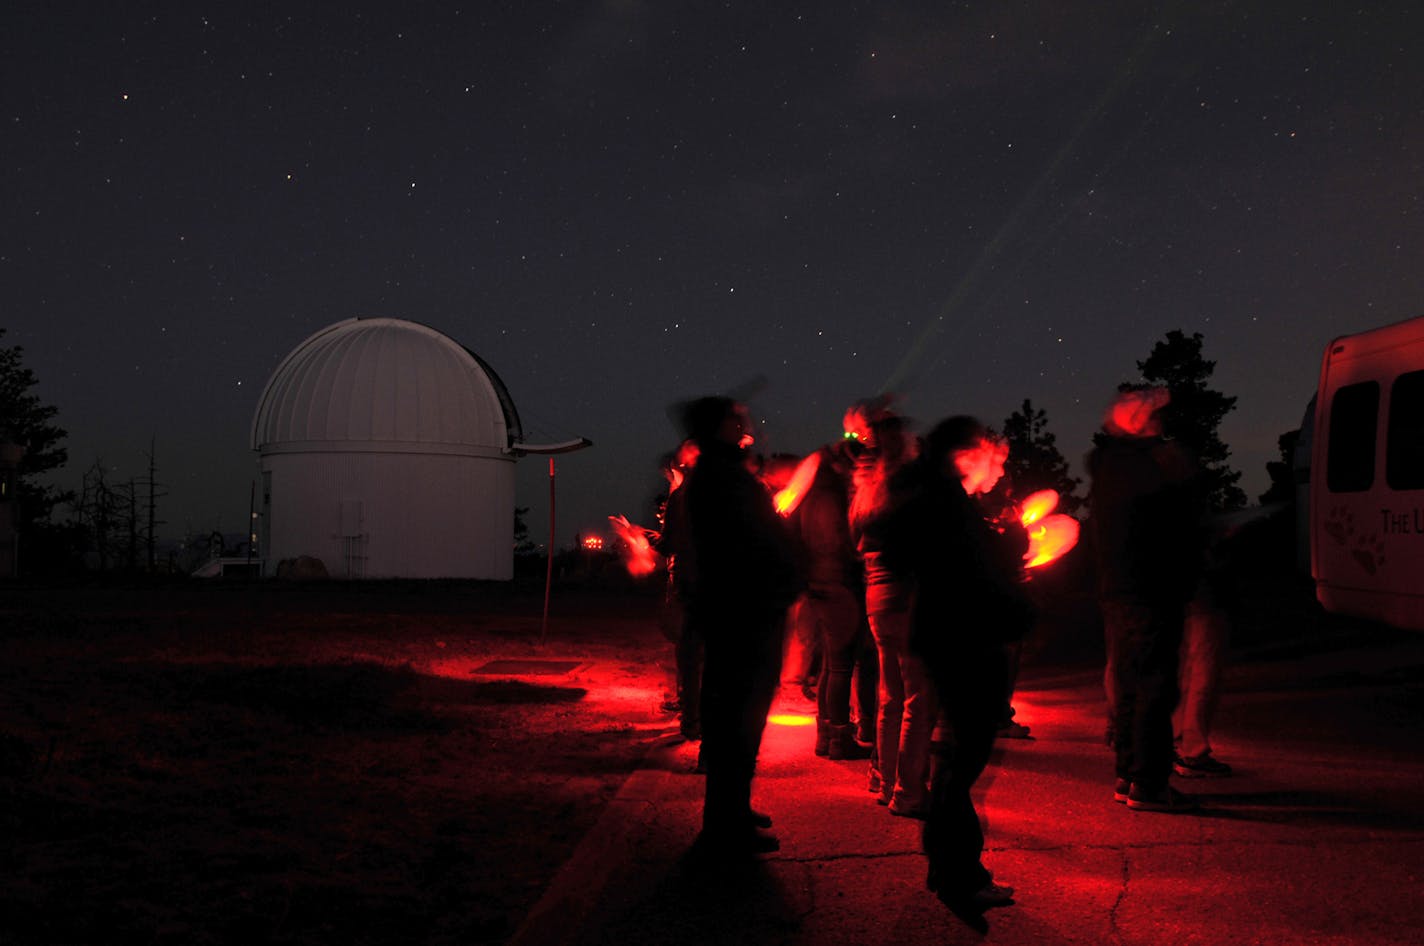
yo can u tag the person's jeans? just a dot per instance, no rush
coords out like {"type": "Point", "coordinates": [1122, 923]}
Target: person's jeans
{"type": "Point", "coordinates": [907, 712]}
{"type": "Point", "coordinates": [1143, 645]}
{"type": "Point", "coordinates": [1204, 635]}
{"type": "Point", "coordinates": [688, 651]}
{"type": "Point", "coordinates": [799, 652]}
{"type": "Point", "coordinates": [835, 615]}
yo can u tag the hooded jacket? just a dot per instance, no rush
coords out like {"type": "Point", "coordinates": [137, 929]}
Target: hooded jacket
{"type": "Point", "coordinates": [1146, 519]}
{"type": "Point", "coordinates": [743, 551]}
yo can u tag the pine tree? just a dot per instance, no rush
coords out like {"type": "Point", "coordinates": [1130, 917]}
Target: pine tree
{"type": "Point", "coordinates": [1034, 461]}
{"type": "Point", "coordinates": [26, 421]}
{"type": "Point", "coordinates": [1196, 411]}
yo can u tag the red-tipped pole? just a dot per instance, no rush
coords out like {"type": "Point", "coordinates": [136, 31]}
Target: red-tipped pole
{"type": "Point", "coordinates": [549, 569]}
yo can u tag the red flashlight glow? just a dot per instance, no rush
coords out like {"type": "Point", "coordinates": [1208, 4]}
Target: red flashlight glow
{"type": "Point", "coordinates": [1050, 534]}
{"type": "Point", "coordinates": [1038, 505]}
{"type": "Point", "coordinates": [982, 465]}
{"type": "Point", "coordinates": [1050, 538]}
{"type": "Point", "coordinates": [638, 555]}
{"type": "Point", "coordinates": [788, 498]}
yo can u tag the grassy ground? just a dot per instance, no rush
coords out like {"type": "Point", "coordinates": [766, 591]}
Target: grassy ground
{"type": "Point", "coordinates": [245, 763]}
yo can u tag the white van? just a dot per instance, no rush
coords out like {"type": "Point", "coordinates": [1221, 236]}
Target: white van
{"type": "Point", "coordinates": [1367, 476]}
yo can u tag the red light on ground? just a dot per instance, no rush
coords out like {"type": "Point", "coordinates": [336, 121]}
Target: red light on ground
{"type": "Point", "coordinates": [789, 719]}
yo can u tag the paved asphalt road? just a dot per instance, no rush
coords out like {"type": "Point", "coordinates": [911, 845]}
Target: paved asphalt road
{"type": "Point", "coordinates": [1318, 838]}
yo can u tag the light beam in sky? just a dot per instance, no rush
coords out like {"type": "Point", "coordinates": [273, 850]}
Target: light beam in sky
{"type": "Point", "coordinates": [1014, 223]}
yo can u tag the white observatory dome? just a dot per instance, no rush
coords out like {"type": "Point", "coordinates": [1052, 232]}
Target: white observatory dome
{"type": "Point", "coordinates": [384, 385]}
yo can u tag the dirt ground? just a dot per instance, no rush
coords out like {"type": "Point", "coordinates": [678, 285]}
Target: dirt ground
{"type": "Point", "coordinates": [243, 763]}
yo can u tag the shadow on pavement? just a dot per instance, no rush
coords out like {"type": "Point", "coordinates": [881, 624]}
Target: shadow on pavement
{"type": "Point", "coordinates": [1304, 808]}
{"type": "Point", "coordinates": [709, 903]}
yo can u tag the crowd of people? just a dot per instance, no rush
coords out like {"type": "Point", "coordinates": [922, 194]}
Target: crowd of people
{"type": "Point", "coordinates": [880, 562]}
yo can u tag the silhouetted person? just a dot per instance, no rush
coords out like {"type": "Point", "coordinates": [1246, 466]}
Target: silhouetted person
{"type": "Point", "coordinates": [832, 602]}
{"type": "Point", "coordinates": [801, 661]}
{"type": "Point", "coordinates": [1205, 633]}
{"type": "Point", "coordinates": [746, 578]}
{"type": "Point", "coordinates": [998, 507]}
{"type": "Point", "coordinates": [967, 604]}
{"type": "Point", "coordinates": [675, 545]}
{"type": "Point", "coordinates": [1009, 726]}
{"type": "Point", "coordinates": [899, 770]}
{"type": "Point", "coordinates": [1146, 524]}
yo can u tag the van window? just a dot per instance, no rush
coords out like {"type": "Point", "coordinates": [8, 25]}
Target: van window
{"type": "Point", "coordinates": [1404, 446]}
{"type": "Point", "coordinates": [1350, 455]}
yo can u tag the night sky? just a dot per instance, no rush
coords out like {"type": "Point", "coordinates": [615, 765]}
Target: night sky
{"type": "Point", "coordinates": [622, 204]}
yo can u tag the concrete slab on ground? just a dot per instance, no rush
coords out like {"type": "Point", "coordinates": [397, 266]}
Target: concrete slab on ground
{"type": "Point", "coordinates": [1318, 837]}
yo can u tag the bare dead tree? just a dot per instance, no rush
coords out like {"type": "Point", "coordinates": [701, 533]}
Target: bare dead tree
{"type": "Point", "coordinates": [107, 513]}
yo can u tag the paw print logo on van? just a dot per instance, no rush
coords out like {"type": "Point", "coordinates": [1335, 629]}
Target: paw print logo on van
{"type": "Point", "coordinates": [1340, 525]}
{"type": "Point", "coordinates": [1369, 552]}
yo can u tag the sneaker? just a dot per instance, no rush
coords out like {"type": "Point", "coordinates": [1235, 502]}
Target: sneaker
{"type": "Point", "coordinates": [920, 812]}
{"type": "Point", "coordinates": [1013, 730]}
{"type": "Point", "coordinates": [844, 746]}
{"type": "Point", "coordinates": [993, 895]}
{"type": "Point", "coordinates": [974, 901]}
{"type": "Point", "coordinates": [1201, 766]}
{"type": "Point", "coordinates": [1121, 790]}
{"type": "Point", "coordinates": [1167, 800]}
{"type": "Point", "coordinates": [874, 783]}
